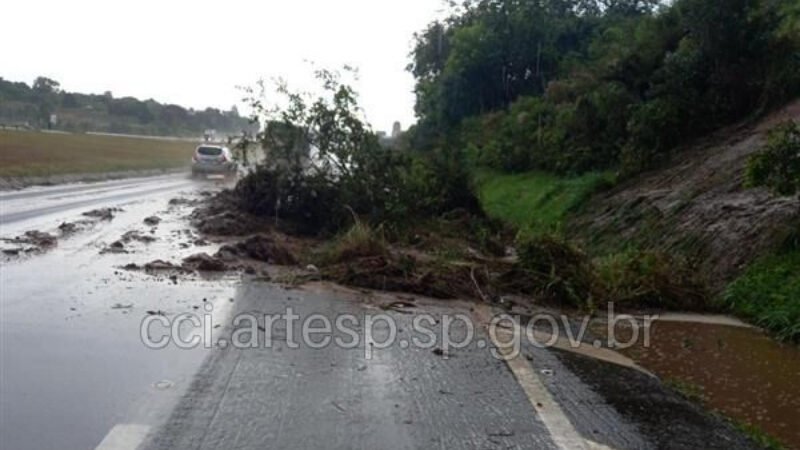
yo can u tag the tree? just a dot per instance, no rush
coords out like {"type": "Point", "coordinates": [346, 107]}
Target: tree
{"type": "Point", "coordinates": [46, 86]}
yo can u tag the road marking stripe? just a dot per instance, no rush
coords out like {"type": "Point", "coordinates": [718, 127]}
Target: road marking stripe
{"type": "Point", "coordinates": [124, 437]}
{"type": "Point", "coordinates": [561, 430]}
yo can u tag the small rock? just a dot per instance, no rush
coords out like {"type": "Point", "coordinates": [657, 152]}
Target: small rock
{"type": "Point", "coordinates": [102, 213]}
{"type": "Point", "coordinates": [204, 263]}
{"type": "Point", "coordinates": [152, 220]}
{"type": "Point", "coordinates": [38, 238]}
{"type": "Point", "coordinates": [160, 265]}
{"type": "Point", "coordinates": [68, 228]}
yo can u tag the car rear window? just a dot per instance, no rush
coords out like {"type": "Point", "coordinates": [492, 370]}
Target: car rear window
{"type": "Point", "coordinates": [209, 151]}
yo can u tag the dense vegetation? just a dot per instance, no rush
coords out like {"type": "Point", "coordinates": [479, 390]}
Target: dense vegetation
{"type": "Point", "coordinates": [21, 104]}
{"type": "Point", "coordinates": [767, 293]}
{"type": "Point", "coordinates": [580, 85]}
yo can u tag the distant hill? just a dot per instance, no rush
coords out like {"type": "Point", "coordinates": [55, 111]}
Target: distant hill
{"type": "Point", "coordinates": [36, 105]}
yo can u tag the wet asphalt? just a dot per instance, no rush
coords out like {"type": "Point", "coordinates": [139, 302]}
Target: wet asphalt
{"type": "Point", "coordinates": [75, 373]}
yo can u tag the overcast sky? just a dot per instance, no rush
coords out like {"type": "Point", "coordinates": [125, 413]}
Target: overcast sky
{"type": "Point", "coordinates": [195, 53]}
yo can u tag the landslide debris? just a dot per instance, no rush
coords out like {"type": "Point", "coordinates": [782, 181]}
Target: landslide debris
{"type": "Point", "coordinates": [218, 216]}
{"type": "Point", "coordinates": [103, 213]}
{"type": "Point", "coordinates": [259, 248]}
{"type": "Point", "coordinates": [203, 262]}
{"type": "Point", "coordinates": [152, 220]}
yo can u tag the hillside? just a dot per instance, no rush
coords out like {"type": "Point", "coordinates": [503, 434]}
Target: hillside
{"type": "Point", "coordinates": [697, 206]}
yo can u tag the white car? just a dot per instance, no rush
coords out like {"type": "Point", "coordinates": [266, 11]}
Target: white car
{"type": "Point", "coordinates": [213, 159]}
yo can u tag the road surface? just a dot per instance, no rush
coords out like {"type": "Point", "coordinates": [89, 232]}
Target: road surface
{"type": "Point", "coordinates": [75, 372]}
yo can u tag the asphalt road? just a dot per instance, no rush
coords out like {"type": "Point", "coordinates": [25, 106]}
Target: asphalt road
{"type": "Point", "coordinates": [75, 372]}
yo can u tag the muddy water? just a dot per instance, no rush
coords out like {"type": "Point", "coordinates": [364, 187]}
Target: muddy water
{"type": "Point", "coordinates": [740, 371]}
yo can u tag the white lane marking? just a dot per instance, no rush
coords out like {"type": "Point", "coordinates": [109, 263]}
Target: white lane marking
{"type": "Point", "coordinates": [127, 436]}
{"type": "Point", "coordinates": [561, 430]}
{"type": "Point", "coordinates": [557, 423]}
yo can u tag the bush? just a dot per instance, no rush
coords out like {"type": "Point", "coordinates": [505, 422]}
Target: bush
{"type": "Point", "coordinates": [768, 293]}
{"type": "Point", "coordinates": [777, 166]}
{"type": "Point", "coordinates": [559, 271]}
{"type": "Point", "coordinates": [359, 241]}
{"type": "Point", "coordinates": [307, 202]}
{"type": "Point", "coordinates": [651, 279]}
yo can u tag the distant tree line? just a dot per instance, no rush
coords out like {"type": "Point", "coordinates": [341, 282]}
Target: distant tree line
{"type": "Point", "coordinates": [35, 104]}
{"type": "Point", "coordinates": [577, 85]}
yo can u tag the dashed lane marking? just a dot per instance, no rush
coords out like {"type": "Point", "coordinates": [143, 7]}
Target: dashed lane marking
{"type": "Point", "coordinates": [124, 437]}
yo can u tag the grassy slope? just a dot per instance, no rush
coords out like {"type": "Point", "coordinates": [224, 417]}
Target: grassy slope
{"type": "Point", "coordinates": [536, 201]}
{"type": "Point", "coordinates": [24, 153]}
{"type": "Point", "coordinates": [768, 294]}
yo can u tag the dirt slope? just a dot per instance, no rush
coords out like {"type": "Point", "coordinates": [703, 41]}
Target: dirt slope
{"type": "Point", "coordinates": [698, 206]}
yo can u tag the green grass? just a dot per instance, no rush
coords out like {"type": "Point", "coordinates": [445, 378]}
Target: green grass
{"type": "Point", "coordinates": [758, 436]}
{"type": "Point", "coordinates": [768, 294]}
{"type": "Point", "coordinates": [30, 153]}
{"type": "Point", "coordinates": [535, 201]}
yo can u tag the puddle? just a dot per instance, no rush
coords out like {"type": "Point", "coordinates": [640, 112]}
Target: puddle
{"type": "Point", "coordinates": [741, 372]}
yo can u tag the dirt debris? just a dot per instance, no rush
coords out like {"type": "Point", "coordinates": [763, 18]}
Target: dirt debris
{"type": "Point", "coordinates": [152, 220]}
{"type": "Point", "coordinates": [68, 227]}
{"type": "Point", "coordinates": [259, 248]}
{"type": "Point", "coordinates": [204, 262]}
{"type": "Point", "coordinates": [157, 266]}
{"type": "Point", "coordinates": [40, 239]}
{"type": "Point", "coordinates": [182, 201]}
{"type": "Point", "coordinates": [218, 216]}
{"type": "Point", "coordinates": [115, 247]}
{"type": "Point", "coordinates": [35, 240]}
{"type": "Point", "coordinates": [103, 213]}
{"type": "Point", "coordinates": [224, 224]}
{"type": "Point", "coordinates": [136, 236]}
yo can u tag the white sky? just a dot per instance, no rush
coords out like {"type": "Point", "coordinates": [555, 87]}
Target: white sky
{"type": "Point", "coordinates": [195, 53]}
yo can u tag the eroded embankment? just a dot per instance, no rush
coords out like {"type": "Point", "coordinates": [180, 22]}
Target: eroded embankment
{"type": "Point", "coordinates": [697, 207]}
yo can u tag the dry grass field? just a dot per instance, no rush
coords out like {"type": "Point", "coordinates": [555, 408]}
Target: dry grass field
{"type": "Point", "coordinates": [30, 153]}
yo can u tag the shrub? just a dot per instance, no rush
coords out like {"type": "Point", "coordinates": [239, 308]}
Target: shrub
{"type": "Point", "coordinates": [768, 293]}
{"type": "Point", "coordinates": [360, 241]}
{"type": "Point", "coordinates": [777, 166]}
{"type": "Point", "coordinates": [559, 271]}
{"type": "Point", "coordinates": [651, 279]}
